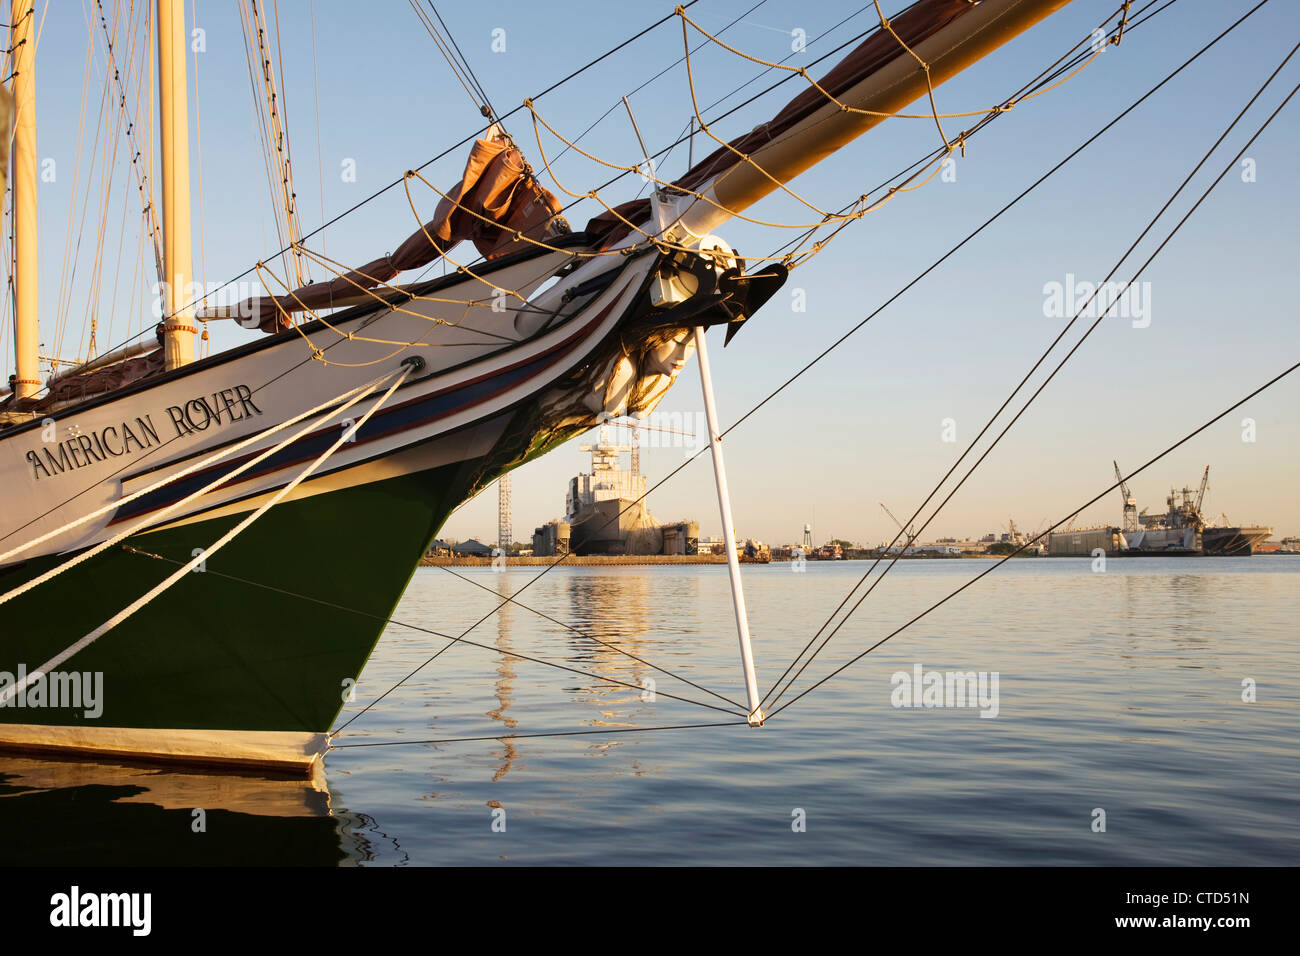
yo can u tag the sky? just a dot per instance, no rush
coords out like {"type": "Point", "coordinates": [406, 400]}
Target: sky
{"type": "Point", "coordinates": [875, 421]}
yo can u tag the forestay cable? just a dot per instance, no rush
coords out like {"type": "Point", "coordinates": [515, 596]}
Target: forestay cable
{"type": "Point", "coordinates": [1186, 438]}
{"type": "Point", "coordinates": [1050, 348]}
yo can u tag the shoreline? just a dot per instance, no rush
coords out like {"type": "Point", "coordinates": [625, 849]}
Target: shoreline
{"type": "Point", "coordinates": [634, 560]}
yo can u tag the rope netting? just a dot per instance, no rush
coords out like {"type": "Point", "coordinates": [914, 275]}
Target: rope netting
{"type": "Point", "coordinates": [814, 235]}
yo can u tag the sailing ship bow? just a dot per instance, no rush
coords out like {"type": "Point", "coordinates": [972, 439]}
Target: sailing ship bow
{"type": "Point", "coordinates": [135, 466]}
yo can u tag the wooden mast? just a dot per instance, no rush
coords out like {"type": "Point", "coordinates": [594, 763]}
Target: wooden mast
{"type": "Point", "coordinates": [178, 263]}
{"type": "Point", "coordinates": [26, 335]}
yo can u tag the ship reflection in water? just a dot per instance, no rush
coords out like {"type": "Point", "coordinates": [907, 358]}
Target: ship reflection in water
{"type": "Point", "coordinates": [74, 812]}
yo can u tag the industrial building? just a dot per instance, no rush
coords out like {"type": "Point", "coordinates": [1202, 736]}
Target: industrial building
{"type": "Point", "coordinates": [606, 512]}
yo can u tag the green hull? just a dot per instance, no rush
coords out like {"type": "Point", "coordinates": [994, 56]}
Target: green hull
{"type": "Point", "coordinates": [215, 652]}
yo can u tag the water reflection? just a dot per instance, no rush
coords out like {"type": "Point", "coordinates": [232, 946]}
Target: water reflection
{"type": "Point", "coordinates": [1168, 613]}
{"type": "Point", "coordinates": [1099, 708]}
{"type": "Point", "coordinates": [619, 611]}
{"type": "Point", "coordinates": [86, 812]}
{"type": "Point", "coordinates": [505, 676]}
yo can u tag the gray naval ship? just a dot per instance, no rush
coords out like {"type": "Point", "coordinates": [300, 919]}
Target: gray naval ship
{"type": "Point", "coordinates": [1182, 529]}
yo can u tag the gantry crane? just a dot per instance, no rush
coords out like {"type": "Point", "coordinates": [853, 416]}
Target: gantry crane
{"type": "Point", "coordinates": [1200, 495]}
{"type": "Point", "coordinates": [1130, 503]}
{"type": "Point", "coordinates": [635, 445]}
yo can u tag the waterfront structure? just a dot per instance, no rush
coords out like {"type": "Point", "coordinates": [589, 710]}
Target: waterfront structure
{"type": "Point", "coordinates": [1181, 529]}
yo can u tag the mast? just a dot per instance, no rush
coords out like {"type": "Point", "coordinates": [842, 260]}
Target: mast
{"type": "Point", "coordinates": [26, 335]}
{"type": "Point", "coordinates": [178, 262]}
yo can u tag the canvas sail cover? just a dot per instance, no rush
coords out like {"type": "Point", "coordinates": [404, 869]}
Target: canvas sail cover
{"type": "Point", "coordinates": [497, 198]}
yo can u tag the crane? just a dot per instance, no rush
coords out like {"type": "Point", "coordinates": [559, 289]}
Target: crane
{"type": "Point", "coordinates": [1200, 495]}
{"type": "Point", "coordinates": [910, 532]}
{"type": "Point", "coordinates": [1130, 503]}
{"type": "Point", "coordinates": [1038, 532]}
{"type": "Point", "coordinates": [635, 446]}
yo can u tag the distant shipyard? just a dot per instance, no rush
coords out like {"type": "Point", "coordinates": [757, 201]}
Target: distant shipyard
{"type": "Point", "coordinates": [607, 519]}
{"type": "Point", "coordinates": [1181, 530]}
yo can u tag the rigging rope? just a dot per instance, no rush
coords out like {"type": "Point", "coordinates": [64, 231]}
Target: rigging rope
{"type": "Point", "coordinates": [915, 280]}
{"type": "Point", "coordinates": [469, 70]}
{"type": "Point", "coordinates": [661, 73]}
{"type": "Point", "coordinates": [212, 459]}
{"type": "Point", "coordinates": [1104, 313]}
{"type": "Point", "coordinates": [155, 519]}
{"type": "Point", "coordinates": [203, 554]}
{"type": "Point", "coordinates": [1186, 438]}
{"type": "Point", "coordinates": [147, 208]}
{"type": "Point", "coordinates": [461, 72]}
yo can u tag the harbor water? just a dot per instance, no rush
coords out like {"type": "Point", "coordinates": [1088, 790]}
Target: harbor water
{"type": "Point", "coordinates": [1141, 714]}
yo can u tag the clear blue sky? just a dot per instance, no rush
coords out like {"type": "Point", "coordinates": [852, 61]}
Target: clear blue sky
{"type": "Point", "coordinates": [865, 426]}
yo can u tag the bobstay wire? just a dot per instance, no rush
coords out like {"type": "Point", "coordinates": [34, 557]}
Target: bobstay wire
{"type": "Point", "coordinates": [461, 639]}
{"type": "Point", "coordinates": [1143, 98]}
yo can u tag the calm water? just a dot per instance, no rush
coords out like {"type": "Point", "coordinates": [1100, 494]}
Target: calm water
{"type": "Point", "coordinates": [1119, 691]}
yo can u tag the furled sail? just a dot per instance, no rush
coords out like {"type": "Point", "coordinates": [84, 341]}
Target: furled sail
{"type": "Point", "coordinates": [497, 200]}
